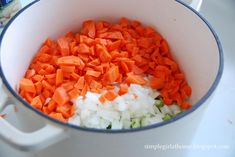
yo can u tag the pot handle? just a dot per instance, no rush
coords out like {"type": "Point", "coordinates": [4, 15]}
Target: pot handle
{"type": "Point", "coordinates": [47, 135]}
{"type": "Point", "coordinates": [196, 4]}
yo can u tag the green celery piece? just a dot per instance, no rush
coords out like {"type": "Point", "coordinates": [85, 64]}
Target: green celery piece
{"type": "Point", "coordinates": [166, 117]}
{"type": "Point", "coordinates": [159, 103]}
{"type": "Point", "coordinates": [135, 123]}
{"type": "Point", "coordinates": [109, 127]}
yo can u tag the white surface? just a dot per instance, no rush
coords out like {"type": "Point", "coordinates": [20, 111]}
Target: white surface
{"type": "Point", "coordinates": [217, 126]}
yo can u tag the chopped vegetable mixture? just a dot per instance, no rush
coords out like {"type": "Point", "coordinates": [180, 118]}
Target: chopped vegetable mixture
{"type": "Point", "coordinates": [106, 59]}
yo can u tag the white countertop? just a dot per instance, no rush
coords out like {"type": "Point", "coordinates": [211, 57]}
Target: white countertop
{"type": "Point", "coordinates": [218, 125]}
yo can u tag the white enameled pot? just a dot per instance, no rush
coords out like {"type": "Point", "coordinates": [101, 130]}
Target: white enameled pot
{"type": "Point", "coordinates": [194, 45]}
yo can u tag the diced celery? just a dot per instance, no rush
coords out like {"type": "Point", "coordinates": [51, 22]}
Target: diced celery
{"type": "Point", "coordinates": [159, 103]}
{"type": "Point", "coordinates": [135, 123]}
{"type": "Point", "coordinates": [166, 117]}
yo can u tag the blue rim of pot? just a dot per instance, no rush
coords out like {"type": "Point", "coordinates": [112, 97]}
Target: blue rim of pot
{"type": "Point", "coordinates": [182, 115]}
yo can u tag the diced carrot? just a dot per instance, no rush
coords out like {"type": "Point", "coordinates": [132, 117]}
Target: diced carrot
{"type": "Point", "coordinates": [37, 78]}
{"type": "Point", "coordinates": [136, 79]}
{"type": "Point", "coordinates": [114, 45]}
{"type": "Point", "coordinates": [43, 99]}
{"type": "Point", "coordinates": [103, 42]}
{"type": "Point", "coordinates": [112, 74]}
{"type": "Point", "coordinates": [102, 30]}
{"type": "Point", "coordinates": [111, 35]}
{"type": "Point", "coordinates": [94, 62]}
{"type": "Point", "coordinates": [70, 35]}
{"type": "Point", "coordinates": [145, 42]}
{"type": "Point", "coordinates": [176, 97]}
{"type": "Point", "coordinates": [99, 25]}
{"type": "Point", "coordinates": [136, 70]}
{"type": "Point", "coordinates": [123, 89]}
{"type": "Point", "coordinates": [93, 73]}
{"type": "Point", "coordinates": [58, 116]}
{"type": "Point", "coordinates": [167, 101]}
{"type": "Point", "coordinates": [49, 69]}
{"type": "Point", "coordinates": [29, 97]}
{"type": "Point", "coordinates": [84, 90]}
{"type": "Point", "coordinates": [44, 49]}
{"type": "Point", "coordinates": [102, 99]}
{"type": "Point", "coordinates": [68, 85]}
{"type": "Point", "coordinates": [164, 47]}
{"type": "Point", "coordinates": [74, 49]}
{"type": "Point", "coordinates": [51, 105]}
{"type": "Point", "coordinates": [46, 93]}
{"type": "Point", "coordinates": [64, 110]}
{"type": "Point", "coordinates": [38, 87]}
{"type": "Point", "coordinates": [74, 93]}
{"type": "Point", "coordinates": [59, 77]}
{"type": "Point", "coordinates": [36, 102]}
{"type": "Point", "coordinates": [80, 83]}
{"type": "Point", "coordinates": [96, 90]}
{"type": "Point", "coordinates": [186, 106]}
{"type": "Point", "coordinates": [74, 76]}
{"type": "Point", "coordinates": [44, 57]}
{"type": "Point", "coordinates": [124, 22]}
{"type": "Point", "coordinates": [103, 53]}
{"type": "Point", "coordinates": [124, 67]}
{"type": "Point", "coordinates": [30, 73]}
{"type": "Point", "coordinates": [64, 46]}
{"type": "Point", "coordinates": [22, 93]}
{"type": "Point", "coordinates": [50, 76]}
{"type": "Point", "coordinates": [67, 69]}
{"type": "Point", "coordinates": [48, 42]}
{"type": "Point", "coordinates": [179, 76]}
{"type": "Point", "coordinates": [77, 37]}
{"type": "Point", "coordinates": [83, 48]}
{"type": "Point", "coordinates": [109, 87]}
{"type": "Point", "coordinates": [45, 110]}
{"type": "Point", "coordinates": [94, 85]}
{"type": "Point", "coordinates": [110, 95]}
{"type": "Point", "coordinates": [72, 61]}
{"type": "Point", "coordinates": [27, 85]}
{"type": "Point", "coordinates": [124, 54]}
{"type": "Point", "coordinates": [86, 40]}
{"type": "Point", "coordinates": [152, 65]}
{"type": "Point", "coordinates": [92, 50]}
{"type": "Point", "coordinates": [84, 58]}
{"type": "Point", "coordinates": [135, 23]}
{"type": "Point", "coordinates": [89, 29]}
{"type": "Point", "coordinates": [42, 72]}
{"type": "Point", "coordinates": [60, 96]}
{"type": "Point", "coordinates": [187, 89]}
{"type": "Point", "coordinates": [138, 59]}
{"type": "Point", "coordinates": [119, 79]}
{"type": "Point", "coordinates": [130, 64]}
{"type": "Point", "coordinates": [156, 83]}
{"type": "Point", "coordinates": [115, 54]}
{"type": "Point", "coordinates": [99, 68]}
{"type": "Point", "coordinates": [47, 86]}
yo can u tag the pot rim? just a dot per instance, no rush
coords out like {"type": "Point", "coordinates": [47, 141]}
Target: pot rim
{"type": "Point", "coordinates": [176, 118]}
